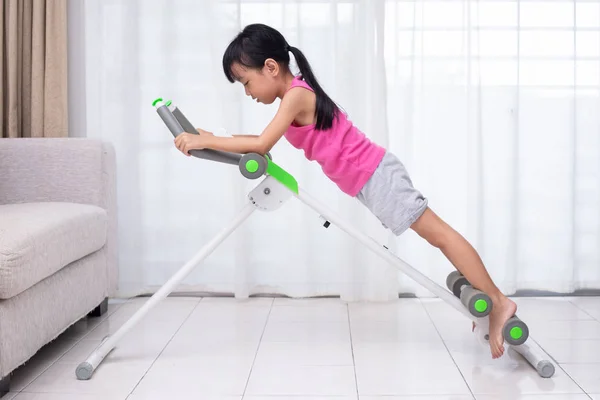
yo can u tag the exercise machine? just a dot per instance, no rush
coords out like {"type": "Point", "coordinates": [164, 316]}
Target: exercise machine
{"type": "Point", "coordinates": [271, 193]}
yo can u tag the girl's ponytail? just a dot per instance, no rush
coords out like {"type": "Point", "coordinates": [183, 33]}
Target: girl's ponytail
{"type": "Point", "coordinates": [259, 42]}
{"type": "Point", "coordinates": [325, 109]}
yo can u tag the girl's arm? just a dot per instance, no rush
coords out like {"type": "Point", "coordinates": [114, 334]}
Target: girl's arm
{"type": "Point", "coordinates": [292, 104]}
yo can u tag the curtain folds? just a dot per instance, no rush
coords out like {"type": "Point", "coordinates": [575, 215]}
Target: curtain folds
{"type": "Point", "coordinates": [491, 105]}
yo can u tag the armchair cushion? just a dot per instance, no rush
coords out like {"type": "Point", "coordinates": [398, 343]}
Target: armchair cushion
{"type": "Point", "coordinates": [38, 239]}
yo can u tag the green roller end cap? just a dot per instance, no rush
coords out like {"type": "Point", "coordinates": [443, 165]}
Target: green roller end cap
{"type": "Point", "coordinates": [252, 166]}
{"type": "Point", "coordinates": [481, 305]}
{"type": "Point", "coordinates": [156, 101]}
{"type": "Point", "coordinates": [168, 103]}
{"type": "Point", "coordinates": [516, 333]}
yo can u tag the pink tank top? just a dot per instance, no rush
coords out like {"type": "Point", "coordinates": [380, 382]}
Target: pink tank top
{"type": "Point", "coordinates": [345, 154]}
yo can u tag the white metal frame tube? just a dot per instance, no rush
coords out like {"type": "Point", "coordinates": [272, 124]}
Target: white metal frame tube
{"type": "Point", "coordinates": [529, 350]}
{"type": "Point", "coordinates": [387, 255]}
{"type": "Point", "coordinates": [536, 357]}
{"type": "Point", "coordinates": [86, 369]}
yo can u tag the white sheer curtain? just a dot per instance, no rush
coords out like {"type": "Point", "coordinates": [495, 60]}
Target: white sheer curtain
{"type": "Point", "coordinates": [492, 105]}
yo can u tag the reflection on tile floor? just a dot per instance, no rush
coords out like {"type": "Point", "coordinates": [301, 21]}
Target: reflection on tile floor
{"type": "Point", "coordinates": [272, 349]}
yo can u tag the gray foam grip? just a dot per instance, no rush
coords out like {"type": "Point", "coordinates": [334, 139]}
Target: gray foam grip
{"type": "Point", "coordinates": [170, 120]}
{"type": "Point", "coordinates": [175, 126]}
{"type": "Point", "coordinates": [219, 156]}
{"type": "Point", "coordinates": [262, 165]}
{"type": "Point", "coordinates": [455, 281]}
{"type": "Point", "coordinates": [183, 121]}
{"type": "Point", "coordinates": [451, 279]}
{"type": "Point", "coordinates": [470, 295]}
{"type": "Point", "coordinates": [511, 323]}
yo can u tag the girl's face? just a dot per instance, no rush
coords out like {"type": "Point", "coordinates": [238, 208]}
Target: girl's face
{"type": "Point", "coordinates": [262, 85]}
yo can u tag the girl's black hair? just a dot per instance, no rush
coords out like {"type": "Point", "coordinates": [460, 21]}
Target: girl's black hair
{"type": "Point", "coordinates": [258, 42]}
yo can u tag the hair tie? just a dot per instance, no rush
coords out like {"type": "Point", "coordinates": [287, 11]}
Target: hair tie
{"type": "Point", "coordinates": [288, 47]}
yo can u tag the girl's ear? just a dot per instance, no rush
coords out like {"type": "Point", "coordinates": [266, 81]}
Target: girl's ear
{"type": "Point", "coordinates": [271, 67]}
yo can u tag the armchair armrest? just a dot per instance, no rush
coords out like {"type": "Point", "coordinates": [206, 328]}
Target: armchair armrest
{"type": "Point", "coordinates": [76, 170]}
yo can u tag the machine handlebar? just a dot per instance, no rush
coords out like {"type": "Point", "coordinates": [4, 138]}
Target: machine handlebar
{"type": "Point", "coordinates": [251, 165]}
{"type": "Point", "coordinates": [178, 124]}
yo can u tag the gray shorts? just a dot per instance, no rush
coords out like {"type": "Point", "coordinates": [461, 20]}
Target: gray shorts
{"type": "Point", "coordinates": [390, 195]}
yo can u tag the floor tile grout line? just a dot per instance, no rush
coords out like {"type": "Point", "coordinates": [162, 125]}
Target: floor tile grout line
{"type": "Point", "coordinates": [107, 315]}
{"type": "Point", "coordinates": [352, 351]}
{"type": "Point", "coordinates": [583, 310]}
{"type": "Point", "coordinates": [555, 361]}
{"type": "Point", "coordinates": [272, 305]}
{"type": "Point", "coordinates": [164, 347]}
{"type": "Point", "coordinates": [560, 365]}
{"type": "Point", "coordinates": [258, 348]}
{"type": "Point", "coordinates": [448, 350]}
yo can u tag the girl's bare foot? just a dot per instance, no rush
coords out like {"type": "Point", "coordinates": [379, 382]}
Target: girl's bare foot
{"type": "Point", "coordinates": [466, 260]}
{"type": "Point", "coordinates": [502, 311]}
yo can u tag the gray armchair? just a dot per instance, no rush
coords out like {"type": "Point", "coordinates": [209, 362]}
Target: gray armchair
{"type": "Point", "coordinates": [58, 240]}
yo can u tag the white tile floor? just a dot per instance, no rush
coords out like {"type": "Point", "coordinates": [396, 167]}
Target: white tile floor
{"type": "Point", "coordinates": [272, 349]}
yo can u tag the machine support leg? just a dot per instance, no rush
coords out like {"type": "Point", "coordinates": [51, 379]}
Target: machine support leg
{"type": "Point", "coordinates": [86, 369]}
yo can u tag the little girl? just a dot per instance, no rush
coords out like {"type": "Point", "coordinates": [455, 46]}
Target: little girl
{"type": "Point", "coordinates": [259, 59]}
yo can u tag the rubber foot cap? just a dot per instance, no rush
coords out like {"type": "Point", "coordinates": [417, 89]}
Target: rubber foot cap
{"type": "Point", "coordinates": [545, 369]}
{"type": "Point", "coordinates": [84, 371]}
